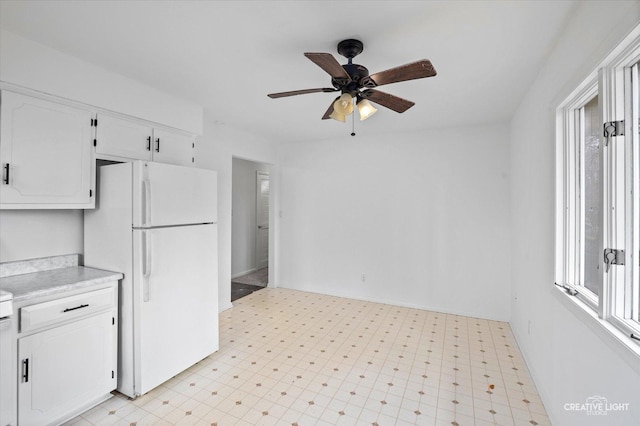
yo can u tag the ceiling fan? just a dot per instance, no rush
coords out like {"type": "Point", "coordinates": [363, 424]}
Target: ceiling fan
{"type": "Point", "coordinates": [355, 83]}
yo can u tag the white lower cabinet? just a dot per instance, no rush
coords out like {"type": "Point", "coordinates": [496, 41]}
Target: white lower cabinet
{"type": "Point", "coordinates": [70, 365]}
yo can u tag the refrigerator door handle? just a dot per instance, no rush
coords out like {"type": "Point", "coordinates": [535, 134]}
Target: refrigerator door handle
{"type": "Point", "coordinates": [146, 266]}
{"type": "Point", "coordinates": [146, 199]}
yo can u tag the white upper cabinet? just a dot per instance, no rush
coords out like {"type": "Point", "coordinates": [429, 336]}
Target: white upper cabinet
{"type": "Point", "coordinates": [121, 139]}
{"type": "Point", "coordinates": [173, 148]}
{"type": "Point", "coordinates": [46, 154]}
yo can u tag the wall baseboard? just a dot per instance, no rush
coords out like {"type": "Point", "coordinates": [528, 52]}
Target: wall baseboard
{"type": "Point", "coordinates": [401, 304]}
{"type": "Point", "coordinates": [248, 271]}
{"type": "Point", "coordinates": [222, 308]}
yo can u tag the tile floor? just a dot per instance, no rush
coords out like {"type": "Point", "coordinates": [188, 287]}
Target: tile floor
{"type": "Point", "coordinates": [294, 358]}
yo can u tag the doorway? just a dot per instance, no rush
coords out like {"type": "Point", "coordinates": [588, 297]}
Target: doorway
{"type": "Point", "coordinates": [250, 227]}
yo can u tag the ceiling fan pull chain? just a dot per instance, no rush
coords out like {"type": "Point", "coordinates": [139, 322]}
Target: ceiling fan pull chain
{"type": "Point", "coordinates": [353, 122]}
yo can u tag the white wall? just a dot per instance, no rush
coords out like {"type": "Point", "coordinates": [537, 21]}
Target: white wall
{"type": "Point", "coordinates": [424, 216]}
{"type": "Point", "coordinates": [215, 151]}
{"type": "Point", "coordinates": [29, 234]}
{"type": "Point", "coordinates": [35, 66]}
{"type": "Point", "coordinates": [243, 234]}
{"type": "Point", "coordinates": [568, 361]}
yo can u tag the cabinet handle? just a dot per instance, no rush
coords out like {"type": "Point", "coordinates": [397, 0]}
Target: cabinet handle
{"type": "Point", "coordinates": [148, 143]}
{"type": "Point", "coordinates": [77, 307]}
{"type": "Point", "coordinates": [25, 370]}
{"type": "Point", "coordinates": [5, 180]}
{"type": "Point", "coordinates": [158, 145]}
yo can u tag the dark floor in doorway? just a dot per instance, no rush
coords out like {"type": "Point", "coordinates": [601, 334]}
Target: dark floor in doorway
{"type": "Point", "coordinates": [239, 290]}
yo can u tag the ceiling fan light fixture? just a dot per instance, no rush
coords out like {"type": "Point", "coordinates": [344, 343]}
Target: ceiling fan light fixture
{"type": "Point", "coordinates": [357, 86]}
{"type": "Point", "coordinates": [337, 116]}
{"type": "Point", "coordinates": [344, 104]}
{"type": "Point", "coordinates": [365, 109]}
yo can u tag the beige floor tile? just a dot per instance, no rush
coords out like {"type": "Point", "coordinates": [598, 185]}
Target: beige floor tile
{"type": "Point", "coordinates": [289, 357]}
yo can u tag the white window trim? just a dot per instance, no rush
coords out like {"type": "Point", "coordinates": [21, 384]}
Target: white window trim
{"type": "Point", "coordinates": [568, 155]}
{"type": "Point", "coordinates": [615, 89]}
{"type": "Point", "coordinates": [608, 82]}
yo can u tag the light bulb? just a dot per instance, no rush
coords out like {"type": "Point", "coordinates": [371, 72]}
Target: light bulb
{"type": "Point", "coordinates": [365, 109]}
{"type": "Point", "coordinates": [344, 104]}
{"type": "Point", "coordinates": [337, 116]}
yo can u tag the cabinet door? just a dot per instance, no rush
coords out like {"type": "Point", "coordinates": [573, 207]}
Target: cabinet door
{"type": "Point", "coordinates": [172, 148]}
{"type": "Point", "coordinates": [123, 138]}
{"type": "Point", "coordinates": [66, 369]}
{"type": "Point", "coordinates": [46, 154]}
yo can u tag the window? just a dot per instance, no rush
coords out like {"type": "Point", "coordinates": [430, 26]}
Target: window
{"type": "Point", "coordinates": [591, 195]}
{"type": "Point", "coordinates": [598, 191]}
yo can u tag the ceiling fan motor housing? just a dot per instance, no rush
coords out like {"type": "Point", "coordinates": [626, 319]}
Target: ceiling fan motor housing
{"type": "Point", "coordinates": [356, 73]}
{"type": "Point", "coordinates": [350, 48]}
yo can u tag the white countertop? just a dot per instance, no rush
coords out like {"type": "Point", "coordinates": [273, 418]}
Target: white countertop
{"type": "Point", "coordinates": [43, 283]}
{"type": "Point", "coordinates": [5, 296]}
{"type": "Point", "coordinates": [6, 305]}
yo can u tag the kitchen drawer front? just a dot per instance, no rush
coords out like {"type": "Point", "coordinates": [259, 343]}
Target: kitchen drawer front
{"type": "Point", "coordinates": [65, 309]}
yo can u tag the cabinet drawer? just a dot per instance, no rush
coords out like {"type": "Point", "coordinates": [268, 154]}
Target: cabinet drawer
{"type": "Point", "coordinates": [64, 309]}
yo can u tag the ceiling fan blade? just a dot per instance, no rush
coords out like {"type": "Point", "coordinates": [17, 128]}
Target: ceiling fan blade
{"type": "Point", "coordinates": [327, 62]}
{"type": "Point", "coordinates": [419, 69]}
{"type": "Point", "coordinates": [386, 100]}
{"type": "Point", "coordinates": [330, 110]}
{"type": "Point", "coordinates": [300, 92]}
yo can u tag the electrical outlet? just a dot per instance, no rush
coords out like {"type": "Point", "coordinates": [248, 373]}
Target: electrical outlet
{"type": "Point", "coordinates": [364, 278]}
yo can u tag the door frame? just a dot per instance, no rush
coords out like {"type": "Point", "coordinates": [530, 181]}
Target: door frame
{"type": "Point", "coordinates": [273, 201]}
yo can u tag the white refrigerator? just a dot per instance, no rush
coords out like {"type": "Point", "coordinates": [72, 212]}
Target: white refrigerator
{"type": "Point", "coordinates": [157, 224]}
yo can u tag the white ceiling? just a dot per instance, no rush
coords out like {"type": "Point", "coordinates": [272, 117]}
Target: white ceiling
{"type": "Point", "coordinates": [227, 55]}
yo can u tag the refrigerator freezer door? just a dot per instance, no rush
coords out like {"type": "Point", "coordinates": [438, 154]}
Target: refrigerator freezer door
{"type": "Point", "coordinates": [165, 195]}
{"type": "Point", "coordinates": [176, 295]}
